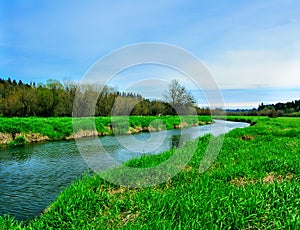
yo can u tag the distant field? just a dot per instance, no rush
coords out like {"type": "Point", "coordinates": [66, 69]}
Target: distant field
{"type": "Point", "coordinates": [254, 183]}
{"type": "Point", "coordinates": [58, 128]}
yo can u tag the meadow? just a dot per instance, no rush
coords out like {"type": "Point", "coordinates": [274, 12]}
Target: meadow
{"type": "Point", "coordinates": [253, 183]}
{"type": "Point", "coordinates": [59, 128]}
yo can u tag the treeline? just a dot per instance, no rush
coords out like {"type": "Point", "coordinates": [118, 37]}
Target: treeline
{"type": "Point", "coordinates": [45, 100]}
{"type": "Point", "coordinates": [272, 110]}
{"type": "Point", "coordinates": [282, 108]}
{"type": "Point", "coordinates": [54, 99]}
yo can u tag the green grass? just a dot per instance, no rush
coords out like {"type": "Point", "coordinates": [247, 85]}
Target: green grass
{"type": "Point", "coordinates": [254, 183]}
{"type": "Point", "coordinates": [58, 128]}
{"type": "Point", "coordinates": [294, 114]}
{"type": "Point", "coordinates": [18, 141]}
{"type": "Point", "coordinates": [54, 128]}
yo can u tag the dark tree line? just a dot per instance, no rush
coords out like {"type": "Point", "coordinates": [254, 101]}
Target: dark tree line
{"type": "Point", "coordinates": [45, 100]}
{"type": "Point", "coordinates": [280, 109]}
{"type": "Point", "coordinates": [288, 107]}
{"type": "Point", "coordinates": [271, 110]}
{"type": "Point", "coordinates": [55, 99]}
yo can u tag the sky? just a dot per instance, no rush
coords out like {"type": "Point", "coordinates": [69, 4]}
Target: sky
{"type": "Point", "coordinates": [251, 48]}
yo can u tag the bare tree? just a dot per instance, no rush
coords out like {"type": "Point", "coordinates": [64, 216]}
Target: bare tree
{"type": "Point", "coordinates": [179, 98]}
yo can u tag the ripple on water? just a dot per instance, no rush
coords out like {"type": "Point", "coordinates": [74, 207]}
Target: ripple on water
{"type": "Point", "coordinates": [32, 176]}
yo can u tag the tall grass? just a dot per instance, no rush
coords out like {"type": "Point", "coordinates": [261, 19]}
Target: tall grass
{"type": "Point", "coordinates": [254, 183]}
{"type": "Point", "coordinates": [58, 128]}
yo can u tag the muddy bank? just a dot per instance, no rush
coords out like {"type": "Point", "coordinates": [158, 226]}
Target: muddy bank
{"type": "Point", "coordinates": [7, 138]}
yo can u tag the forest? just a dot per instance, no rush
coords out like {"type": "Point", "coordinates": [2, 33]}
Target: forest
{"type": "Point", "coordinates": [281, 108]}
{"type": "Point", "coordinates": [54, 99]}
{"type": "Point", "coordinates": [289, 109]}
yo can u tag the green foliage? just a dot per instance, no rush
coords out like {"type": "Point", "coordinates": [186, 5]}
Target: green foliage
{"type": "Point", "coordinates": [254, 183]}
{"type": "Point", "coordinates": [58, 128]}
{"type": "Point", "coordinates": [18, 141]}
{"type": "Point", "coordinates": [272, 110]}
{"type": "Point", "coordinates": [9, 223]}
{"type": "Point", "coordinates": [54, 128]}
{"type": "Point", "coordinates": [55, 99]}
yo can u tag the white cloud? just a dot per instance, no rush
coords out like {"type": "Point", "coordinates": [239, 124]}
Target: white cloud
{"type": "Point", "coordinates": [248, 69]}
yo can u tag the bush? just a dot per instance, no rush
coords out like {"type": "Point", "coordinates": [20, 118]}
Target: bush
{"type": "Point", "coordinates": [19, 141]}
{"type": "Point", "coordinates": [272, 113]}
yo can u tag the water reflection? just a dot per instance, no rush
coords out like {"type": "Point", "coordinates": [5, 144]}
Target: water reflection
{"type": "Point", "coordinates": [32, 176]}
{"type": "Point", "coordinates": [175, 141]}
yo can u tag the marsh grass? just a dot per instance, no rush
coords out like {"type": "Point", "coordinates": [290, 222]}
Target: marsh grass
{"type": "Point", "coordinates": [58, 128]}
{"type": "Point", "coordinates": [254, 183]}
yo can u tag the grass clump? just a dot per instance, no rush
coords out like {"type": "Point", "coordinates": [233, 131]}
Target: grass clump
{"type": "Point", "coordinates": [253, 183]}
{"type": "Point", "coordinates": [18, 141]}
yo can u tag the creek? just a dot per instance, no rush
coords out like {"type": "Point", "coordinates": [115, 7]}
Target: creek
{"type": "Point", "coordinates": [32, 176]}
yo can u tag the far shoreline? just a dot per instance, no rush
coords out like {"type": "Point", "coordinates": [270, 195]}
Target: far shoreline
{"type": "Point", "coordinates": [18, 131]}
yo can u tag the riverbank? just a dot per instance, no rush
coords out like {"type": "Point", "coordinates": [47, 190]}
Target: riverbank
{"type": "Point", "coordinates": [253, 183]}
{"type": "Point", "coordinates": [21, 131]}
{"type": "Point", "coordinates": [252, 120]}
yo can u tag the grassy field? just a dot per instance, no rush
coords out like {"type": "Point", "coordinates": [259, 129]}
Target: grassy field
{"type": "Point", "coordinates": [254, 183]}
{"type": "Point", "coordinates": [58, 128]}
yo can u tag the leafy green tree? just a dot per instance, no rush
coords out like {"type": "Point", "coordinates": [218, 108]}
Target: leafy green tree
{"type": "Point", "coordinates": [28, 100]}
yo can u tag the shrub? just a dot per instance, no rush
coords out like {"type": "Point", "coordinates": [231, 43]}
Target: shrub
{"type": "Point", "coordinates": [272, 113]}
{"type": "Point", "coordinates": [18, 141]}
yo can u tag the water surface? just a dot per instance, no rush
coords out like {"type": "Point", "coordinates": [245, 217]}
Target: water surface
{"type": "Point", "coordinates": [32, 176]}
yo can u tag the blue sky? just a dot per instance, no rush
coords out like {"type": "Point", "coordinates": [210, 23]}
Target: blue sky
{"type": "Point", "coordinates": [252, 48]}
